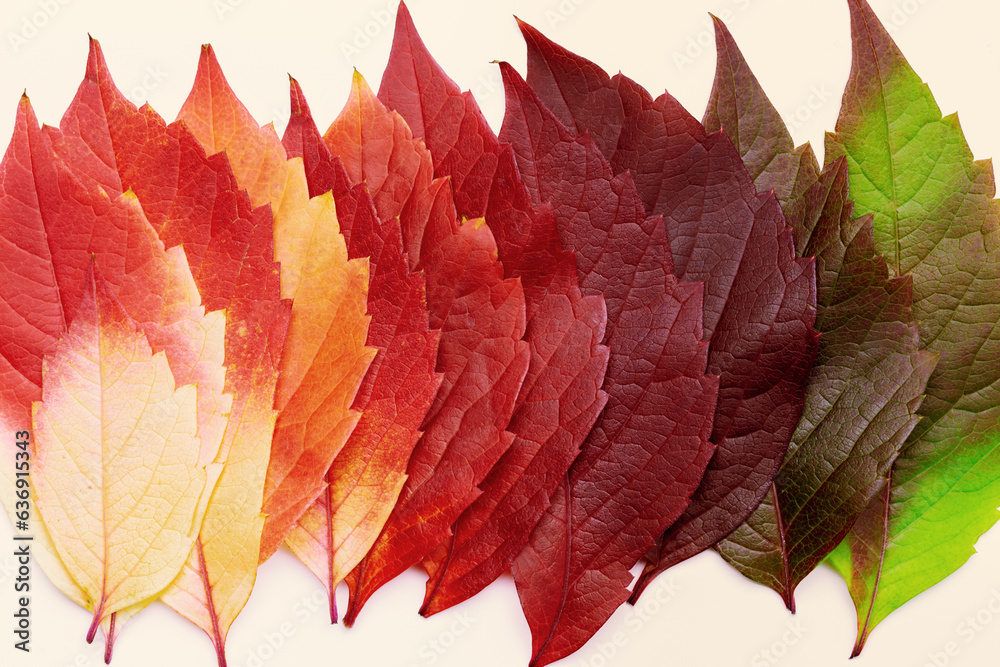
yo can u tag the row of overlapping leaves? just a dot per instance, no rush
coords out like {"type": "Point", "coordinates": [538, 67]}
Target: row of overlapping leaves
{"type": "Point", "coordinates": [589, 341]}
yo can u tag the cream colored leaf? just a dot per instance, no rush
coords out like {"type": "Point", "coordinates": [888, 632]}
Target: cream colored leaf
{"type": "Point", "coordinates": [117, 475]}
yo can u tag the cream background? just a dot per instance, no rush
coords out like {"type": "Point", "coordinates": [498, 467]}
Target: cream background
{"type": "Point", "coordinates": [711, 616]}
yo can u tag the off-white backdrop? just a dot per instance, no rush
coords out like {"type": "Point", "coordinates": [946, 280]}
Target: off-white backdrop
{"type": "Point", "coordinates": [702, 613]}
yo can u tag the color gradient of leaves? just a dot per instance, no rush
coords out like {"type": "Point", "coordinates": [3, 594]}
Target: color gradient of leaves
{"type": "Point", "coordinates": [367, 476]}
{"type": "Point", "coordinates": [648, 450]}
{"type": "Point", "coordinates": [193, 200]}
{"type": "Point", "coordinates": [869, 375]}
{"type": "Point", "coordinates": [482, 356]}
{"type": "Point", "coordinates": [154, 286]}
{"type": "Point", "coordinates": [557, 351]}
{"type": "Point", "coordinates": [561, 395]}
{"type": "Point", "coordinates": [324, 358]}
{"type": "Point", "coordinates": [759, 298]}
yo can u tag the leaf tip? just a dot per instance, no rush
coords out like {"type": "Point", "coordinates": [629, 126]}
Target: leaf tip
{"type": "Point", "coordinates": [403, 10]}
{"type": "Point", "coordinates": [298, 99]}
{"type": "Point", "coordinates": [95, 60]}
{"type": "Point", "coordinates": [528, 31]}
{"type": "Point", "coordinates": [360, 84]}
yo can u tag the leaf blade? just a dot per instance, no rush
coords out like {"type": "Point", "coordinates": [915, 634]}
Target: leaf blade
{"type": "Point", "coordinates": [869, 375]}
{"type": "Point", "coordinates": [759, 299]}
{"type": "Point", "coordinates": [328, 323]}
{"type": "Point", "coordinates": [193, 200]}
{"type": "Point", "coordinates": [367, 476]}
{"type": "Point", "coordinates": [648, 451]}
{"type": "Point", "coordinates": [482, 355]}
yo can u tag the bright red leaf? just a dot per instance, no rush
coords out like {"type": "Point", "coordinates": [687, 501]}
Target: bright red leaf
{"type": "Point", "coordinates": [482, 356]}
{"type": "Point", "coordinates": [561, 395]}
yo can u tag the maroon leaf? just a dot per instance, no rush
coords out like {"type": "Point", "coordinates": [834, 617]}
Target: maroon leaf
{"type": "Point", "coordinates": [648, 451]}
{"type": "Point", "coordinates": [760, 301]}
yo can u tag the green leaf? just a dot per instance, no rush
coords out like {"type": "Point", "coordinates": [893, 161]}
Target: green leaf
{"type": "Point", "coordinates": [934, 218]}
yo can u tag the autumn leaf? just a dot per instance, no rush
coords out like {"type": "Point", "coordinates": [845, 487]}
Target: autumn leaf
{"type": "Point", "coordinates": [324, 358]}
{"type": "Point", "coordinates": [561, 395]}
{"type": "Point", "coordinates": [321, 372]}
{"type": "Point", "coordinates": [869, 376]}
{"type": "Point", "coordinates": [193, 200]}
{"type": "Point", "coordinates": [649, 448]}
{"type": "Point", "coordinates": [118, 477]}
{"type": "Point", "coordinates": [221, 123]}
{"type": "Point", "coordinates": [367, 476]}
{"type": "Point", "coordinates": [934, 218]}
{"type": "Point", "coordinates": [760, 300]}
{"type": "Point", "coordinates": [481, 357]}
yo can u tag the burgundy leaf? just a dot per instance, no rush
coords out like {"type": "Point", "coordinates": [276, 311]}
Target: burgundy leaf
{"type": "Point", "coordinates": [648, 450]}
{"type": "Point", "coordinates": [760, 300]}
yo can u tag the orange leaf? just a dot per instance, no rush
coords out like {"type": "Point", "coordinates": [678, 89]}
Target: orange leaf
{"type": "Point", "coordinates": [367, 476]}
{"type": "Point", "coordinates": [324, 358]}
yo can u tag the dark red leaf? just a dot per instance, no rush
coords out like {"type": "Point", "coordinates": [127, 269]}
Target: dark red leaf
{"type": "Point", "coordinates": [760, 301]}
{"type": "Point", "coordinates": [647, 453]}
